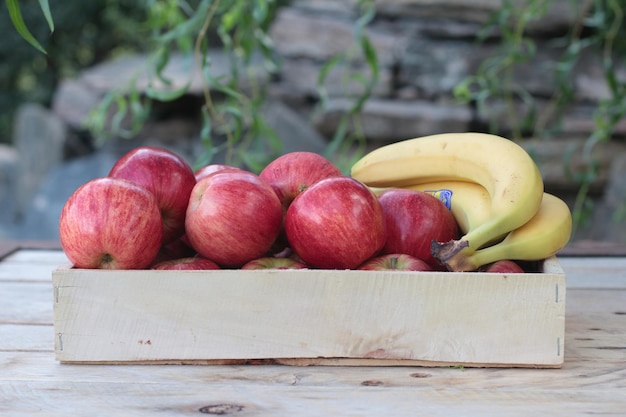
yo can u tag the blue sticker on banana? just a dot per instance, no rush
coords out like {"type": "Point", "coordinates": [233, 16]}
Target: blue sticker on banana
{"type": "Point", "coordinates": [444, 195]}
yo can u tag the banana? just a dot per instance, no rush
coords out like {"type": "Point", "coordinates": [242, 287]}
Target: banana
{"type": "Point", "coordinates": [502, 167]}
{"type": "Point", "coordinates": [469, 202]}
{"type": "Point", "coordinates": [541, 237]}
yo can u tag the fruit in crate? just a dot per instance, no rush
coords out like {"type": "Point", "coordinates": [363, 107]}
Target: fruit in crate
{"type": "Point", "coordinates": [395, 262]}
{"type": "Point", "coordinates": [293, 172]}
{"type": "Point", "coordinates": [179, 248]}
{"type": "Point", "coordinates": [336, 223]}
{"type": "Point", "coordinates": [469, 202]}
{"type": "Point", "coordinates": [503, 168]}
{"type": "Point", "coordinates": [165, 174]}
{"type": "Point", "coordinates": [111, 223]}
{"type": "Point", "coordinates": [210, 169]}
{"type": "Point", "coordinates": [541, 237]}
{"type": "Point", "coordinates": [233, 216]}
{"type": "Point", "coordinates": [413, 219]}
{"type": "Point", "coordinates": [290, 174]}
{"type": "Point", "coordinates": [503, 266]}
{"type": "Point", "coordinates": [190, 263]}
{"type": "Point", "coordinates": [271, 262]}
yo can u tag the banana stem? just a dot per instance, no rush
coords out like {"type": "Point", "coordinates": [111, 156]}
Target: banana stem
{"type": "Point", "coordinates": [452, 255]}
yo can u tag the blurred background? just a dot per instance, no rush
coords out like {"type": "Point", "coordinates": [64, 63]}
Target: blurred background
{"type": "Point", "coordinates": [241, 82]}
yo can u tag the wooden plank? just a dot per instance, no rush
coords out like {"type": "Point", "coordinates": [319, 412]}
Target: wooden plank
{"type": "Point", "coordinates": [591, 248]}
{"type": "Point", "coordinates": [8, 247]}
{"type": "Point", "coordinates": [589, 301]}
{"type": "Point", "coordinates": [576, 374]}
{"type": "Point", "coordinates": [595, 272]}
{"type": "Point", "coordinates": [26, 302]}
{"type": "Point", "coordinates": [595, 321]}
{"type": "Point", "coordinates": [33, 382]}
{"type": "Point", "coordinates": [595, 341]}
{"type": "Point", "coordinates": [595, 328]}
{"type": "Point", "coordinates": [268, 399]}
{"type": "Point", "coordinates": [587, 272]}
{"type": "Point", "coordinates": [31, 265]}
{"type": "Point", "coordinates": [26, 338]}
{"type": "Point", "coordinates": [461, 318]}
{"type": "Point", "coordinates": [37, 256]}
{"type": "Point", "coordinates": [24, 272]}
{"type": "Point", "coordinates": [591, 381]}
{"type": "Point", "coordinates": [590, 335]}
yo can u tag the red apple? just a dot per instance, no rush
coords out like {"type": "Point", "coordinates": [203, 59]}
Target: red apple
{"type": "Point", "coordinates": [504, 266]}
{"type": "Point", "coordinates": [395, 261]}
{"type": "Point", "coordinates": [336, 223]}
{"type": "Point", "coordinates": [180, 248]}
{"type": "Point", "coordinates": [111, 223]}
{"type": "Point", "coordinates": [413, 220]}
{"type": "Point", "coordinates": [210, 169]}
{"type": "Point", "coordinates": [233, 217]}
{"type": "Point", "coordinates": [187, 264]}
{"type": "Point", "coordinates": [165, 174]}
{"type": "Point", "coordinates": [270, 262]}
{"type": "Point", "coordinates": [291, 173]}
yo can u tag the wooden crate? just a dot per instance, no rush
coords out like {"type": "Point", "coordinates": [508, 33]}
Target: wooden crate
{"type": "Point", "coordinates": [304, 317]}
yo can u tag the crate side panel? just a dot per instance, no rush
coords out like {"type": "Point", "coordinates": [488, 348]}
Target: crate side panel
{"type": "Point", "coordinates": [460, 318]}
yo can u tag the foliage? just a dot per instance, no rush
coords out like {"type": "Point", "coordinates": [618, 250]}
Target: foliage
{"type": "Point", "coordinates": [18, 21]}
{"type": "Point", "coordinates": [234, 124]}
{"type": "Point", "coordinates": [599, 29]}
{"type": "Point", "coordinates": [232, 116]}
{"type": "Point", "coordinates": [192, 29]}
{"type": "Point", "coordinates": [348, 133]}
{"type": "Point", "coordinates": [88, 32]}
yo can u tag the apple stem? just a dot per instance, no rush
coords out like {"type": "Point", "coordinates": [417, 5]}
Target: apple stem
{"type": "Point", "coordinates": [393, 262]}
{"type": "Point", "coordinates": [106, 259]}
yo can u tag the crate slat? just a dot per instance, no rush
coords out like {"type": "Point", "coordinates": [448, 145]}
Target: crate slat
{"type": "Point", "coordinates": [310, 317]}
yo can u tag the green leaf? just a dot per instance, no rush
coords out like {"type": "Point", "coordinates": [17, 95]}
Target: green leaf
{"type": "Point", "coordinates": [45, 8]}
{"type": "Point", "coordinates": [366, 17]}
{"type": "Point", "coordinates": [18, 21]}
{"type": "Point", "coordinates": [254, 161]}
{"type": "Point", "coordinates": [120, 114]}
{"type": "Point", "coordinates": [327, 67]}
{"type": "Point", "coordinates": [462, 91]}
{"type": "Point", "coordinates": [188, 27]}
{"type": "Point", "coordinates": [371, 57]}
{"type": "Point", "coordinates": [167, 95]}
{"type": "Point", "coordinates": [139, 110]}
{"type": "Point", "coordinates": [161, 59]}
{"type": "Point", "coordinates": [233, 16]}
{"type": "Point", "coordinates": [209, 149]}
{"type": "Point", "coordinates": [230, 92]}
{"type": "Point", "coordinates": [207, 127]}
{"type": "Point", "coordinates": [338, 137]}
{"type": "Point", "coordinates": [260, 11]}
{"type": "Point", "coordinates": [323, 74]}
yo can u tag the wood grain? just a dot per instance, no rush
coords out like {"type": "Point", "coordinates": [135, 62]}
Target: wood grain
{"type": "Point", "coordinates": [592, 380]}
{"type": "Point", "coordinates": [440, 318]}
{"type": "Point", "coordinates": [38, 384]}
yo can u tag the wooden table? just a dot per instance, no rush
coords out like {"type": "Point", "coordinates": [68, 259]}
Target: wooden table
{"type": "Point", "coordinates": [591, 382]}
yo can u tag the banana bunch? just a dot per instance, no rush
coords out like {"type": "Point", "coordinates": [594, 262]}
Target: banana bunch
{"type": "Point", "coordinates": [497, 195]}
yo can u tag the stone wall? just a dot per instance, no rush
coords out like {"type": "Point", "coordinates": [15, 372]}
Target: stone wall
{"type": "Point", "coordinates": [424, 49]}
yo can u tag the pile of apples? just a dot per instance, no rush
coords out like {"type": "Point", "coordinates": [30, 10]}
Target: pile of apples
{"type": "Point", "coordinates": [153, 211]}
